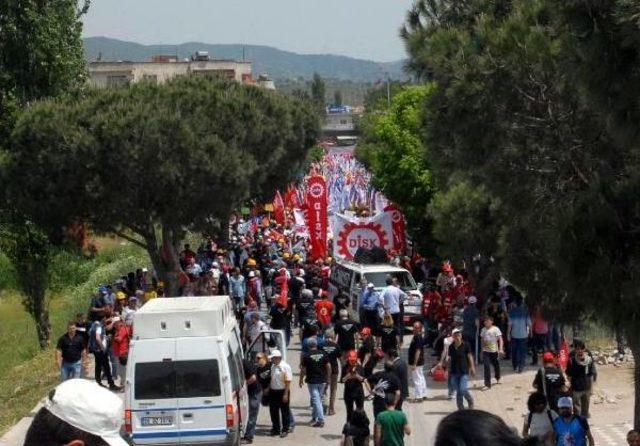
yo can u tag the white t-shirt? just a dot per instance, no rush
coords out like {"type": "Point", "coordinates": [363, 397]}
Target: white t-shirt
{"type": "Point", "coordinates": [279, 374]}
{"type": "Point", "coordinates": [541, 426]}
{"type": "Point", "coordinates": [489, 338]}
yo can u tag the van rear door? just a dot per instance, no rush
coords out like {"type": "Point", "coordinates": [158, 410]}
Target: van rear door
{"type": "Point", "coordinates": [201, 403]}
{"type": "Point", "coordinates": [154, 413]}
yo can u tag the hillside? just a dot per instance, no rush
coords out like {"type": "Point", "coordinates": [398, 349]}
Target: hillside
{"type": "Point", "coordinates": [276, 63]}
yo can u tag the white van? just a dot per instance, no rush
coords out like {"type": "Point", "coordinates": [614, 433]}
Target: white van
{"type": "Point", "coordinates": [185, 383]}
{"type": "Point", "coordinates": [346, 277]}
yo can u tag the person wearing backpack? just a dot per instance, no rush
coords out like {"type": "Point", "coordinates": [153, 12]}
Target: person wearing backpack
{"type": "Point", "coordinates": [570, 429]}
{"type": "Point", "coordinates": [550, 380]}
{"type": "Point", "coordinates": [539, 421]}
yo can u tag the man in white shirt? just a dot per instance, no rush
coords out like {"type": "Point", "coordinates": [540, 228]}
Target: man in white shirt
{"type": "Point", "coordinates": [392, 297]}
{"type": "Point", "coordinates": [254, 328]}
{"type": "Point", "coordinates": [492, 349]}
{"type": "Point", "coordinates": [279, 393]}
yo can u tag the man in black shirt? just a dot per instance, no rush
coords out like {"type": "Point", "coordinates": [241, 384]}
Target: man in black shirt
{"type": "Point", "coordinates": [333, 352]}
{"type": "Point", "coordinates": [366, 352]}
{"type": "Point", "coordinates": [280, 319]}
{"type": "Point", "coordinates": [460, 366]}
{"type": "Point", "coordinates": [401, 370]}
{"type": "Point", "coordinates": [71, 353]}
{"type": "Point", "coordinates": [353, 379]}
{"type": "Point", "coordinates": [346, 330]}
{"type": "Point", "coordinates": [550, 381]}
{"type": "Point", "coordinates": [305, 307]}
{"type": "Point", "coordinates": [416, 362]}
{"type": "Point", "coordinates": [254, 392]}
{"type": "Point", "coordinates": [340, 302]}
{"type": "Point", "coordinates": [316, 368]}
{"type": "Point", "coordinates": [382, 383]}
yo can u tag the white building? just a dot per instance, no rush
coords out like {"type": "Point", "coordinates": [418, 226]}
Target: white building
{"type": "Point", "coordinates": [161, 68]}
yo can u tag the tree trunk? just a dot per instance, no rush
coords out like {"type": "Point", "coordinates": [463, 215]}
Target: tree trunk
{"type": "Point", "coordinates": [634, 345]}
{"type": "Point", "coordinates": [164, 256]}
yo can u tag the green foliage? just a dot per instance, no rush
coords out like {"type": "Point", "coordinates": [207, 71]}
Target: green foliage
{"type": "Point", "coordinates": [8, 276]}
{"type": "Point", "coordinates": [466, 219]}
{"type": "Point", "coordinates": [41, 52]}
{"type": "Point", "coordinates": [157, 160]}
{"type": "Point", "coordinates": [318, 93]}
{"type": "Point", "coordinates": [392, 148]}
{"type": "Point", "coordinates": [537, 104]}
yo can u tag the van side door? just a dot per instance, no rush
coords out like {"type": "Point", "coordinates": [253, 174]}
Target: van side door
{"type": "Point", "coordinates": [151, 392]}
{"type": "Point", "coordinates": [199, 388]}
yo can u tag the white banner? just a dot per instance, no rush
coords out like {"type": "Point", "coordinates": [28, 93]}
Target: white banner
{"type": "Point", "coordinates": [351, 233]}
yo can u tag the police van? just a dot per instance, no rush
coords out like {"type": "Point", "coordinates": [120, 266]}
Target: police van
{"type": "Point", "coordinates": [348, 278]}
{"type": "Point", "coordinates": [185, 383]}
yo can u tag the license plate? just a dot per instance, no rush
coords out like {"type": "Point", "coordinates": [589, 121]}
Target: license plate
{"type": "Point", "coordinates": [157, 421]}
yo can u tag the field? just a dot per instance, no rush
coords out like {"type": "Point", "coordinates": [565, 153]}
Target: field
{"type": "Point", "coordinates": [26, 372]}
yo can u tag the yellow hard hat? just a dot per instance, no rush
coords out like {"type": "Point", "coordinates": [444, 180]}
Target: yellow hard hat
{"type": "Point", "coordinates": [286, 255]}
{"type": "Point", "coordinates": [251, 262]}
{"type": "Point", "coordinates": [120, 295]}
{"type": "Point", "coordinates": [296, 257]}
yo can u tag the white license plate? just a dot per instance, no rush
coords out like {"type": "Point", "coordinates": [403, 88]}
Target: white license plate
{"type": "Point", "coordinates": [157, 421]}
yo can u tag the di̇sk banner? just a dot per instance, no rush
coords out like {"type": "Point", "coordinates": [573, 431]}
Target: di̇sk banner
{"type": "Point", "coordinates": [398, 225]}
{"type": "Point", "coordinates": [351, 233]}
{"type": "Point", "coordinates": [317, 216]}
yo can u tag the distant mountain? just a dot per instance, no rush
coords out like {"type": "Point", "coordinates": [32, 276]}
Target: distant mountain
{"type": "Point", "coordinates": [276, 63]}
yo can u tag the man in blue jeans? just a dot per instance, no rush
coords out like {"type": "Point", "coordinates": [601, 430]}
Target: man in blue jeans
{"type": "Point", "coordinates": [460, 365]}
{"type": "Point", "coordinates": [254, 392]}
{"type": "Point", "coordinates": [71, 353]}
{"type": "Point", "coordinates": [518, 334]}
{"type": "Point", "coordinates": [315, 366]}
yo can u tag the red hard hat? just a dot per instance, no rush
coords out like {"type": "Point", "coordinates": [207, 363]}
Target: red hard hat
{"type": "Point", "coordinates": [352, 357]}
{"type": "Point", "coordinates": [548, 357]}
{"type": "Point", "coordinates": [366, 331]}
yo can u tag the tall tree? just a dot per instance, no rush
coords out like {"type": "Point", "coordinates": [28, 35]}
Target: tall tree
{"type": "Point", "coordinates": [392, 148]}
{"type": "Point", "coordinates": [337, 97]}
{"type": "Point", "coordinates": [537, 103]}
{"type": "Point", "coordinates": [318, 93]}
{"type": "Point", "coordinates": [41, 55]}
{"type": "Point", "coordinates": [150, 162]}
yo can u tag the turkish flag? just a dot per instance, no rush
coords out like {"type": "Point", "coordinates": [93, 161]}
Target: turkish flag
{"type": "Point", "coordinates": [317, 216]}
{"type": "Point", "coordinates": [399, 230]}
{"type": "Point", "coordinates": [278, 208]}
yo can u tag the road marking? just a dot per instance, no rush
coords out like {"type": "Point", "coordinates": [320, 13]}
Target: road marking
{"type": "Point", "coordinates": [611, 434]}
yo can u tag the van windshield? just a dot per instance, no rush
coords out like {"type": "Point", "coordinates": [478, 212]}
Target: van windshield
{"type": "Point", "coordinates": [177, 379]}
{"type": "Point", "coordinates": [378, 279]}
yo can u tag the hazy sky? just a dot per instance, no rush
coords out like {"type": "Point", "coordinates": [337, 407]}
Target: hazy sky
{"type": "Point", "coordinates": [359, 28]}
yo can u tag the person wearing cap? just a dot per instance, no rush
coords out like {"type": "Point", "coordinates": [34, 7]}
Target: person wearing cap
{"type": "Point", "coordinates": [369, 302]}
{"type": "Point", "coordinates": [279, 395]}
{"type": "Point", "coordinates": [99, 346]}
{"type": "Point", "coordinates": [460, 365]}
{"type": "Point", "coordinates": [570, 429]}
{"type": "Point", "coordinates": [492, 348]}
{"type": "Point", "coordinates": [366, 352]}
{"type": "Point", "coordinates": [72, 417]}
{"type": "Point", "coordinates": [550, 380]}
{"type": "Point", "coordinates": [71, 353]}
{"type": "Point", "coordinates": [353, 378]}
{"type": "Point", "coordinates": [471, 324]}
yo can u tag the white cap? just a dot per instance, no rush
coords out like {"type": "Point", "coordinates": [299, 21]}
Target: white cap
{"type": "Point", "coordinates": [275, 354]}
{"type": "Point", "coordinates": [473, 299]}
{"type": "Point", "coordinates": [89, 407]}
{"type": "Point", "coordinates": [456, 330]}
{"type": "Point", "coordinates": [566, 402]}
{"type": "Point", "coordinates": [252, 274]}
{"type": "Point", "coordinates": [145, 270]}
{"type": "Point", "coordinates": [370, 285]}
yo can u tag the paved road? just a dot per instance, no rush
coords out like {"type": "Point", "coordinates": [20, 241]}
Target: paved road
{"type": "Point", "coordinates": [423, 417]}
{"type": "Point", "coordinates": [610, 421]}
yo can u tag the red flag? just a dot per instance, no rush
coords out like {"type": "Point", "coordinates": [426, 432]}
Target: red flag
{"type": "Point", "coordinates": [563, 355]}
{"type": "Point", "coordinates": [283, 298]}
{"type": "Point", "coordinates": [278, 208]}
{"type": "Point", "coordinates": [399, 230]}
{"type": "Point", "coordinates": [317, 216]}
{"type": "Point", "coordinates": [290, 198]}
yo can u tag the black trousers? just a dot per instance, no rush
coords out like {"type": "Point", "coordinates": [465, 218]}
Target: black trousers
{"type": "Point", "coordinates": [397, 321]}
{"type": "Point", "coordinates": [102, 364]}
{"type": "Point", "coordinates": [371, 319]}
{"type": "Point", "coordinates": [279, 412]}
{"type": "Point", "coordinates": [490, 359]}
{"type": "Point", "coordinates": [350, 402]}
